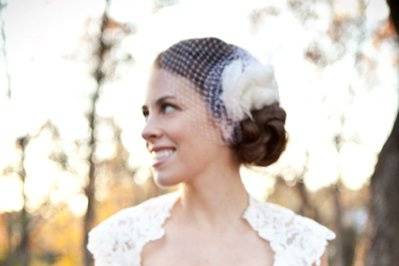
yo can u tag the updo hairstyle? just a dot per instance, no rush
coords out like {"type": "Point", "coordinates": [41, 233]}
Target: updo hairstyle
{"type": "Point", "coordinates": [257, 140]}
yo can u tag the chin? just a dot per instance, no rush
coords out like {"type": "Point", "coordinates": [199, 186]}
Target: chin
{"type": "Point", "coordinates": [164, 181]}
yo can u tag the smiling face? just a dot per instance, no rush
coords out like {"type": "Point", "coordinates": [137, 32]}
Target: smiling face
{"type": "Point", "coordinates": [180, 133]}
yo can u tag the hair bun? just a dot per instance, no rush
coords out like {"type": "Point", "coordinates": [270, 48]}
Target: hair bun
{"type": "Point", "coordinates": [263, 138]}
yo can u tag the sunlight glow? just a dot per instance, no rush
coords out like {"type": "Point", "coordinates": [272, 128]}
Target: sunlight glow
{"type": "Point", "coordinates": [51, 80]}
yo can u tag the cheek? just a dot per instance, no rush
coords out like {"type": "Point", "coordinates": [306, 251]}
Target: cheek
{"type": "Point", "coordinates": [204, 131]}
{"type": "Point", "coordinates": [196, 138]}
{"type": "Point", "coordinates": [197, 151]}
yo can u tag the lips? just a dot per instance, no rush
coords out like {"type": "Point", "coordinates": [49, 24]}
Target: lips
{"type": "Point", "coordinates": [162, 155]}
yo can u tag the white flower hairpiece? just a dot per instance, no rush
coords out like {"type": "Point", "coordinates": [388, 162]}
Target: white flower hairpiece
{"type": "Point", "coordinates": [247, 85]}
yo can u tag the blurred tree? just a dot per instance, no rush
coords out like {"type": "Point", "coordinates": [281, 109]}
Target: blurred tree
{"type": "Point", "coordinates": [342, 38]}
{"type": "Point", "coordinates": [99, 76]}
{"type": "Point", "coordinates": [23, 250]}
{"type": "Point", "coordinates": [20, 254]}
{"type": "Point", "coordinates": [384, 210]}
{"type": "Point", "coordinates": [104, 68]}
{"type": "Point", "coordinates": [3, 5]}
{"type": "Point", "coordinates": [21, 224]}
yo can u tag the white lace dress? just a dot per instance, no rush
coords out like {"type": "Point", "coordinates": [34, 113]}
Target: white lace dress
{"type": "Point", "coordinates": [119, 240]}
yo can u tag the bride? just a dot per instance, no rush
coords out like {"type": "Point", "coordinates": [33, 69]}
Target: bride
{"type": "Point", "coordinates": [210, 108]}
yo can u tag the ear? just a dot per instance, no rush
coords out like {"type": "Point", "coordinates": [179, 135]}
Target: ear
{"type": "Point", "coordinates": [218, 131]}
{"type": "Point", "coordinates": [224, 132]}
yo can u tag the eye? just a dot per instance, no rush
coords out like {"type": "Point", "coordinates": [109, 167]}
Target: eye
{"type": "Point", "coordinates": [145, 112]}
{"type": "Point", "coordinates": [167, 108]}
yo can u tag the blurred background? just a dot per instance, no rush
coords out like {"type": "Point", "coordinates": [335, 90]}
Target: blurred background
{"type": "Point", "coordinates": [73, 78]}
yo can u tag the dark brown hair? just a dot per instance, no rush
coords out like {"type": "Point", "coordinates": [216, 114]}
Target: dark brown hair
{"type": "Point", "coordinates": [264, 138]}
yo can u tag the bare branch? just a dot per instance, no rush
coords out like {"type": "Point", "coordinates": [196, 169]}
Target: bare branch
{"type": "Point", "coordinates": [3, 6]}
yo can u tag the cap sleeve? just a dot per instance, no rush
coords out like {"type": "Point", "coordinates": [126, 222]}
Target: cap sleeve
{"type": "Point", "coordinates": [314, 239]}
{"type": "Point", "coordinates": [109, 242]}
{"type": "Point", "coordinates": [118, 241]}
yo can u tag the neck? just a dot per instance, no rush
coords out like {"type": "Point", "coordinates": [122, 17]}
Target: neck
{"type": "Point", "coordinates": [211, 201]}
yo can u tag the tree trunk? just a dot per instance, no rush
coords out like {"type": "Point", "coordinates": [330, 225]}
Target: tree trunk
{"type": "Point", "coordinates": [23, 251]}
{"type": "Point", "coordinates": [384, 205]}
{"type": "Point", "coordinates": [384, 208]}
{"type": "Point", "coordinates": [3, 5]}
{"type": "Point", "coordinates": [99, 76]}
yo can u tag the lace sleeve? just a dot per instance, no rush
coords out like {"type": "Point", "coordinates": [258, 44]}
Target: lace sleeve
{"type": "Point", "coordinates": [312, 239]}
{"type": "Point", "coordinates": [109, 242]}
{"type": "Point", "coordinates": [118, 240]}
{"type": "Point", "coordinates": [295, 240]}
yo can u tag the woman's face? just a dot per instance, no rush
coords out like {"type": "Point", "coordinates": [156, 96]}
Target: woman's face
{"type": "Point", "coordinates": [179, 132]}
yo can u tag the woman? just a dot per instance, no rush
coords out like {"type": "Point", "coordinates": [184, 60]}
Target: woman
{"type": "Point", "coordinates": [210, 108]}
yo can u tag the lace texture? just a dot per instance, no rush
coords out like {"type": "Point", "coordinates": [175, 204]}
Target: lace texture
{"type": "Point", "coordinates": [119, 240]}
{"type": "Point", "coordinates": [296, 240]}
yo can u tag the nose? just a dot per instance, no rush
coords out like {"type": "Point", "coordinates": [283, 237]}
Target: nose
{"type": "Point", "coordinates": [151, 130]}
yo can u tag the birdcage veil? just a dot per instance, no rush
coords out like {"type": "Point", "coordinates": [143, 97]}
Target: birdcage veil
{"type": "Point", "coordinates": [228, 79]}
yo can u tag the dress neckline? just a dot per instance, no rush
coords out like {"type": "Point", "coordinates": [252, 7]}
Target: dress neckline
{"type": "Point", "coordinates": [294, 239]}
{"type": "Point", "coordinates": [250, 209]}
{"type": "Point", "coordinates": [175, 196]}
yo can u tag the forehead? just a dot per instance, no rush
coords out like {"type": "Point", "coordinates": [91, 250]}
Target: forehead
{"type": "Point", "coordinates": [163, 83]}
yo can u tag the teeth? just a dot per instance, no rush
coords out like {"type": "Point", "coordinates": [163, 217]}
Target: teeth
{"type": "Point", "coordinates": [159, 155]}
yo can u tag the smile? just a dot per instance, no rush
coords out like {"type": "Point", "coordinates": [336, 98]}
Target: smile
{"type": "Point", "coordinates": [161, 156]}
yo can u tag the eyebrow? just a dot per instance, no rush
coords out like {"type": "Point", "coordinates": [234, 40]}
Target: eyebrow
{"type": "Point", "coordinates": [159, 101]}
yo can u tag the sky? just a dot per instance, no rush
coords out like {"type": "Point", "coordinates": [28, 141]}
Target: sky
{"type": "Point", "coordinates": [50, 79]}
